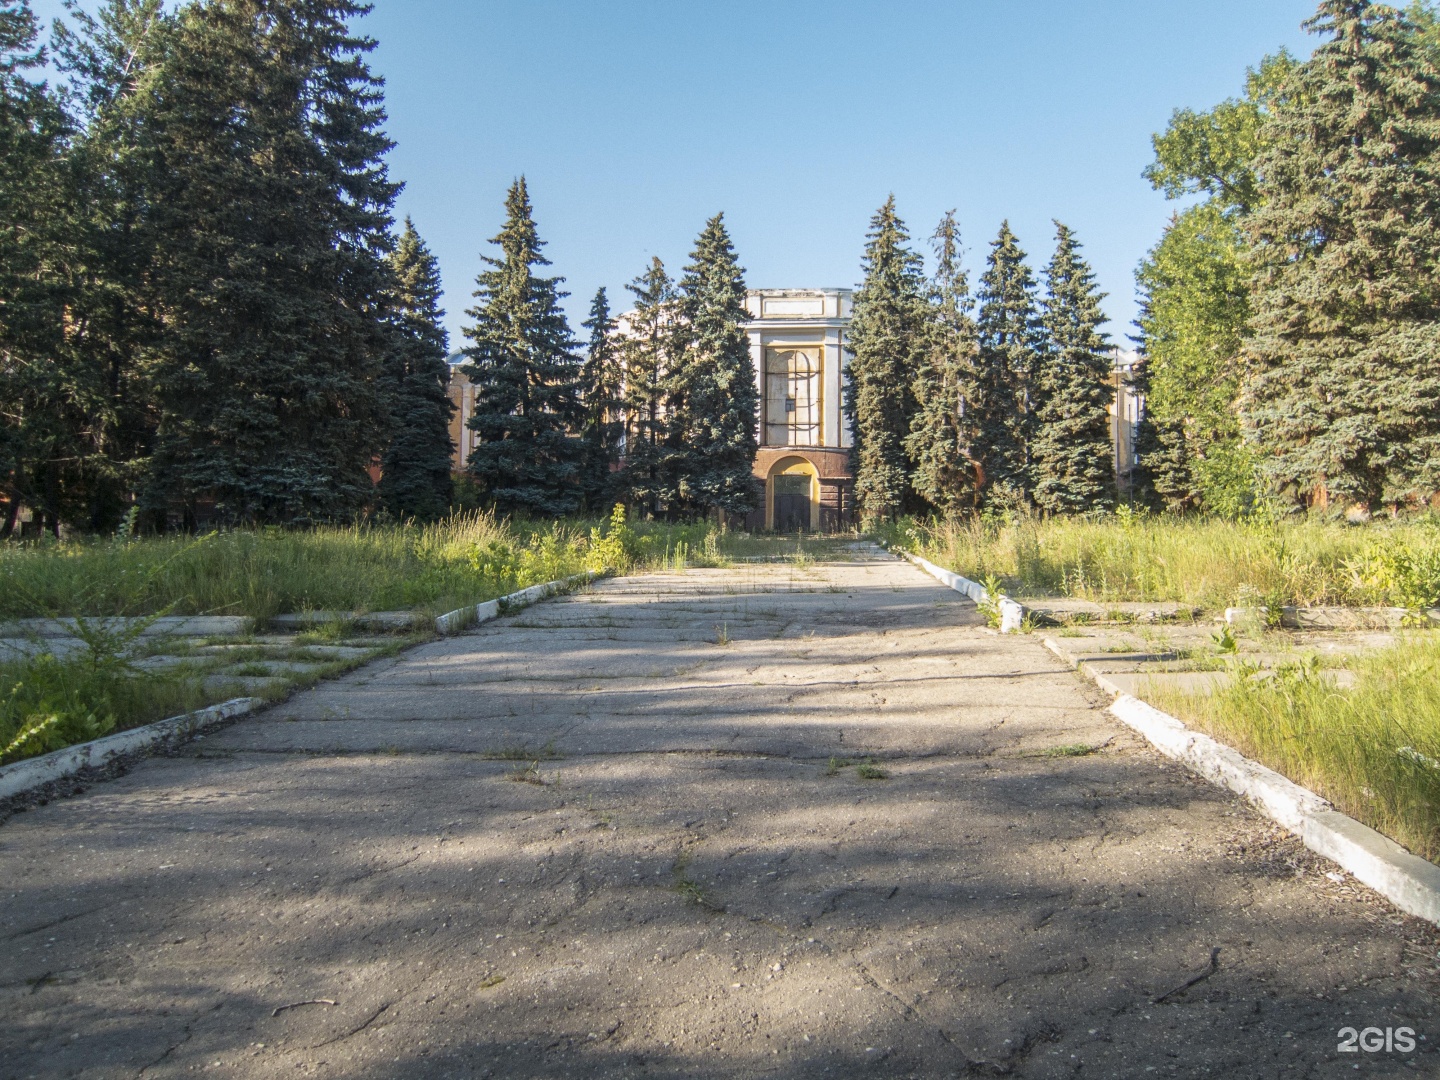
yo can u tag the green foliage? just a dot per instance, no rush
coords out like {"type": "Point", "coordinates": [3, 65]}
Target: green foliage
{"type": "Point", "coordinates": [270, 205]}
{"type": "Point", "coordinates": [1073, 457]}
{"type": "Point", "coordinates": [48, 703]}
{"type": "Point", "coordinates": [943, 432]}
{"type": "Point", "coordinates": [1210, 563]}
{"type": "Point", "coordinates": [1341, 397]}
{"type": "Point", "coordinates": [1372, 750]}
{"type": "Point", "coordinates": [1195, 302]}
{"type": "Point", "coordinates": [888, 342]}
{"type": "Point", "coordinates": [415, 469]}
{"type": "Point", "coordinates": [712, 401]}
{"type": "Point", "coordinates": [526, 376]}
{"type": "Point", "coordinates": [648, 357]}
{"type": "Point", "coordinates": [613, 547]}
{"type": "Point", "coordinates": [1007, 395]}
{"type": "Point", "coordinates": [43, 427]}
{"type": "Point", "coordinates": [602, 383]}
{"type": "Point", "coordinates": [1407, 574]}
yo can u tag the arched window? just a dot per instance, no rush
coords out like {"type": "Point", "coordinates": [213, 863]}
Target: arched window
{"type": "Point", "coordinates": [792, 397]}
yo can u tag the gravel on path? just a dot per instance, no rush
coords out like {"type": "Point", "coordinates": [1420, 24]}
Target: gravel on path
{"type": "Point", "coordinates": [779, 820]}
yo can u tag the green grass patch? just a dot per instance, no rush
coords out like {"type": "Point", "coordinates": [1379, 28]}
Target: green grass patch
{"type": "Point", "coordinates": [1205, 563]}
{"type": "Point", "coordinates": [48, 703]}
{"type": "Point", "coordinates": [1373, 750]}
{"type": "Point", "coordinates": [1071, 750]}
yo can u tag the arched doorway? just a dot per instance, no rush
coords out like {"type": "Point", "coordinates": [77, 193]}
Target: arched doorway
{"type": "Point", "coordinates": [793, 496]}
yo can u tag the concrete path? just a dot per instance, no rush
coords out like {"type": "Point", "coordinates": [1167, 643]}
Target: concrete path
{"type": "Point", "coordinates": [362, 883]}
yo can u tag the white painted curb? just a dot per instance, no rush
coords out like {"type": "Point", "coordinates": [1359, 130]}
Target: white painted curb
{"type": "Point", "coordinates": [34, 772]}
{"type": "Point", "coordinates": [1409, 882]}
{"type": "Point", "coordinates": [1012, 615]}
{"type": "Point", "coordinates": [452, 622]}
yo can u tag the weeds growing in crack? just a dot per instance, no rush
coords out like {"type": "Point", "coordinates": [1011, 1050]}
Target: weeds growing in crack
{"type": "Point", "coordinates": [527, 773]}
{"type": "Point", "coordinates": [722, 635]}
{"type": "Point", "coordinates": [689, 888]}
{"type": "Point", "coordinates": [836, 764]}
{"type": "Point", "coordinates": [870, 771]}
{"type": "Point", "coordinates": [1071, 750]}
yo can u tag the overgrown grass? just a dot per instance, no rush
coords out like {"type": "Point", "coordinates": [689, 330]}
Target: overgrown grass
{"type": "Point", "coordinates": [1205, 563]}
{"type": "Point", "coordinates": [431, 568]}
{"type": "Point", "coordinates": [1373, 750]}
{"type": "Point", "coordinates": [48, 703]}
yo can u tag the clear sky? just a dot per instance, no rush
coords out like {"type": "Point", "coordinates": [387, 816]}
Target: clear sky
{"type": "Point", "coordinates": [635, 120]}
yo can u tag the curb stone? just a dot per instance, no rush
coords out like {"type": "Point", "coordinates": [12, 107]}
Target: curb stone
{"type": "Point", "coordinates": [35, 772]}
{"type": "Point", "coordinates": [453, 622]}
{"type": "Point", "coordinates": [1409, 882]}
{"type": "Point", "coordinates": [1012, 615]}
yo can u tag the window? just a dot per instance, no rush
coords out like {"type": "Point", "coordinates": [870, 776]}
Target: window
{"type": "Point", "coordinates": [792, 397]}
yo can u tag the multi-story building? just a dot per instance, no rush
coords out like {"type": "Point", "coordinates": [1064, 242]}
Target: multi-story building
{"type": "Point", "coordinates": [798, 342]}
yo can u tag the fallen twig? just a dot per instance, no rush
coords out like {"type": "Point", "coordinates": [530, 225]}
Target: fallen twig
{"type": "Point", "coordinates": [1213, 967]}
{"type": "Point", "coordinates": [296, 1004]}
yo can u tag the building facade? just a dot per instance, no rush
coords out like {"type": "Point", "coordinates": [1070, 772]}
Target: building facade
{"type": "Point", "coordinates": [798, 343]}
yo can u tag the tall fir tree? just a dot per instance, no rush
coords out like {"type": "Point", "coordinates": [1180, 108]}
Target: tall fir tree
{"type": "Point", "coordinates": [1074, 455]}
{"type": "Point", "coordinates": [1010, 338]}
{"type": "Point", "coordinates": [112, 59]}
{"type": "Point", "coordinates": [714, 401]}
{"type": "Point", "coordinates": [272, 206]}
{"type": "Point", "coordinates": [415, 479]}
{"type": "Point", "coordinates": [40, 430]}
{"type": "Point", "coordinates": [602, 431]}
{"type": "Point", "coordinates": [887, 343]}
{"type": "Point", "coordinates": [647, 355]}
{"type": "Point", "coordinates": [943, 434]}
{"type": "Point", "coordinates": [526, 374]}
{"type": "Point", "coordinates": [1342, 393]}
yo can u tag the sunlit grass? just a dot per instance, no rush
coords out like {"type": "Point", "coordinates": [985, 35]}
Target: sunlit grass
{"type": "Point", "coordinates": [1372, 750]}
{"type": "Point", "coordinates": [1207, 563]}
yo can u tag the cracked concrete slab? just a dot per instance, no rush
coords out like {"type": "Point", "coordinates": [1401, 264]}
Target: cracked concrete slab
{"type": "Point", "coordinates": [705, 882]}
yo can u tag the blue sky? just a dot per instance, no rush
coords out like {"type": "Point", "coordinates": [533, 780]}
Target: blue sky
{"type": "Point", "coordinates": [635, 121]}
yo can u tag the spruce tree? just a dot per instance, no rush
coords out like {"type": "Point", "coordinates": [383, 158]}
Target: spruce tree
{"type": "Point", "coordinates": [527, 377]}
{"type": "Point", "coordinates": [1010, 337]}
{"type": "Point", "coordinates": [602, 430]}
{"type": "Point", "coordinates": [1074, 457]}
{"type": "Point", "coordinates": [712, 388]}
{"type": "Point", "coordinates": [887, 342]}
{"type": "Point", "coordinates": [943, 434]}
{"type": "Point", "coordinates": [1342, 393]}
{"type": "Point", "coordinates": [415, 476]}
{"type": "Point", "coordinates": [647, 353]}
{"type": "Point", "coordinates": [271, 210]}
{"type": "Point", "coordinates": [40, 429]}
